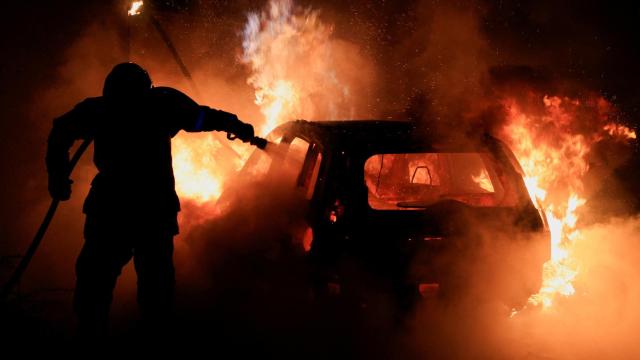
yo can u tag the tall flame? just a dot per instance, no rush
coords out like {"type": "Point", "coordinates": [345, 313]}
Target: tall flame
{"type": "Point", "coordinates": [293, 70]}
{"type": "Point", "coordinates": [553, 152]}
{"type": "Point", "coordinates": [290, 54]}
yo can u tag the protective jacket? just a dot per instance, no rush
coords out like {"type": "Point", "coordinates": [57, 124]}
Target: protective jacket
{"type": "Point", "coordinates": [132, 150]}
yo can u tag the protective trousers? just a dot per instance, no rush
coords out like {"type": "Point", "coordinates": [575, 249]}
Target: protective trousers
{"type": "Point", "coordinates": [107, 249]}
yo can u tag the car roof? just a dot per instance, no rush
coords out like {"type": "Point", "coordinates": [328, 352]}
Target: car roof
{"type": "Point", "coordinates": [370, 133]}
{"type": "Point", "coordinates": [339, 131]}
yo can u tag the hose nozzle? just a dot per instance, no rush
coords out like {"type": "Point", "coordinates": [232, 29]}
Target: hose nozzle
{"type": "Point", "coordinates": [259, 142]}
{"type": "Point", "coordinates": [256, 141]}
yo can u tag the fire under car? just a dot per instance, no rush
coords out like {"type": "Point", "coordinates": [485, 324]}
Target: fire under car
{"type": "Point", "coordinates": [385, 207]}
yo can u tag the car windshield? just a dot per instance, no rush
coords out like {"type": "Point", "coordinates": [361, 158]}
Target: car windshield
{"type": "Point", "coordinates": [419, 180]}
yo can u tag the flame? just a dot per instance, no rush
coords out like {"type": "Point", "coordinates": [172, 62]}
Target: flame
{"type": "Point", "coordinates": [289, 53]}
{"type": "Point", "coordinates": [297, 70]}
{"type": "Point", "coordinates": [291, 56]}
{"type": "Point", "coordinates": [553, 152]}
{"type": "Point", "coordinates": [135, 8]}
{"type": "Point", "coordinates": [619, 131]}
{"type": "Point", "coordinates": [201, 165]}
{"type": "Point", "coordinates": [195, 169]}
{"type": "Point", "coordinates": [483, 181]}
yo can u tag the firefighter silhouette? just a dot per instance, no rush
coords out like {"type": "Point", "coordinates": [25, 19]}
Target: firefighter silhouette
{"type": "Point", "coordinates": [131, 210]}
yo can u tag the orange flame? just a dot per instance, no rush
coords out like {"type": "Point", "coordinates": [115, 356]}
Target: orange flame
{"type": "Point", "coordinates": [483, 181]}
{"type": "Point", "coordinates": [293, 70]}
{"type": "Point", "coordinates": [195, 169]}
{"type": "Point", "coordinates": [553, 151]}
{"type": "Point", "coordinates": [201, 165]}
{"type": "Point", "coordinates": [289, 52]}
{"type": "Point", "coordinates": [135, 8]}
{"type": "Point", "coordinates": [619, 131]}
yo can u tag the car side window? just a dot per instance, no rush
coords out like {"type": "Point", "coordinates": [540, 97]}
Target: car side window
{"type": "Point", "coordinates": [310, 171]}
{"type": "Point", "coordinates": [302, 165]}
{"type": "Point", "coordinates": [293, 160]}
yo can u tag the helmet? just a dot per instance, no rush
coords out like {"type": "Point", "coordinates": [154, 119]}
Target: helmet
{"type": "Point", "coordinates": [126, 81]}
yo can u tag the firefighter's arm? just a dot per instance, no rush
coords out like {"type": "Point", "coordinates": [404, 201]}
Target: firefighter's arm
{"type": "Point", "coordinates": [66, 130]}
{"type": "Point", "coordinates": [209, 119]}
{"type": "Point", "coordinates": [192, 117]}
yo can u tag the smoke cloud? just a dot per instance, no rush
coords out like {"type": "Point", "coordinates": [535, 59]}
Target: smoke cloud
{"type": "Point", "coordinates": [445, 65]}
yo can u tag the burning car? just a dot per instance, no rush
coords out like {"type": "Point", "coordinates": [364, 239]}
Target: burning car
{"type": "Point", "coordinates": [387, 207]}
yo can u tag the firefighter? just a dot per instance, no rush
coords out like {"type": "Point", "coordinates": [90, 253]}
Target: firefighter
{"type": "Point", "coordinates": [131, 209]}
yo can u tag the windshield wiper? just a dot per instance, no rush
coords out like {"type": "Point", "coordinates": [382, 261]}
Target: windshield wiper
{"type": "Point", "coordinates": [414, 204]}
{"type": "Point", "coordinates": [421, 204]}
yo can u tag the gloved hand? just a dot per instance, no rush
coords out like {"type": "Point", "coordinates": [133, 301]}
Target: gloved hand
{"type": "Point", "coordinates": [244, 132]}
{"type": "Point", "coordinates": [60, 189]}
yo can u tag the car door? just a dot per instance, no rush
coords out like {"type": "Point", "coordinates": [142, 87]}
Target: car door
{"type": "Point", "coordinates": [301, 169]}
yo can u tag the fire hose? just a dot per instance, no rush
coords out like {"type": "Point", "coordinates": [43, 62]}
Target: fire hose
{"type": "Point", "coordinates": [256, 141]}
{"type": "Point", "coordinates": [8, 287]}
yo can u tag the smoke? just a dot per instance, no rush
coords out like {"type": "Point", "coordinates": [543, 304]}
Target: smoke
{"type": "Point", "coordinates": [300, 70]}
{"type": "Point", "coordinates": [446, 65]}
{"type": "Point", "coordinates": [243, 283]}
{"type": "Point", "coordinates": [600, 320]}
{"type": "Point", "coordinates": [470, 80]}
{"type": "Point", "coordinates": [604, 310]}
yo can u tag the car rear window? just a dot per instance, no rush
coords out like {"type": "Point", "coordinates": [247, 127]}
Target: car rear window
{"type": "Point", "coordinates": [418, 180]}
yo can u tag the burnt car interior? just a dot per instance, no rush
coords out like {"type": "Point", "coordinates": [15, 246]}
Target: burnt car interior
{"type": "Point", "coordinates": [418, 180]}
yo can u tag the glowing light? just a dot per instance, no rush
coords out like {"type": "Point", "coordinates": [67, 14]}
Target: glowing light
{"type": "Point", "coordinates": [135, 8]}
{"type": "Point", "coordinates": [295, 73]}
{"type": "Point", "coordinates": [200, 166]}
{"type": "Point", "coordinates": [483, 181]}
{"type": "Point", "coordinates": [194, 176]}
{"type": "Point", "coordinates": [617, 130]}
{"type": "Point", "coordinates": [293, 69]}
{"type": "Point", "coordinates": [552, 150]}
{"type": "Point", "coordinates": [307, 239]}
